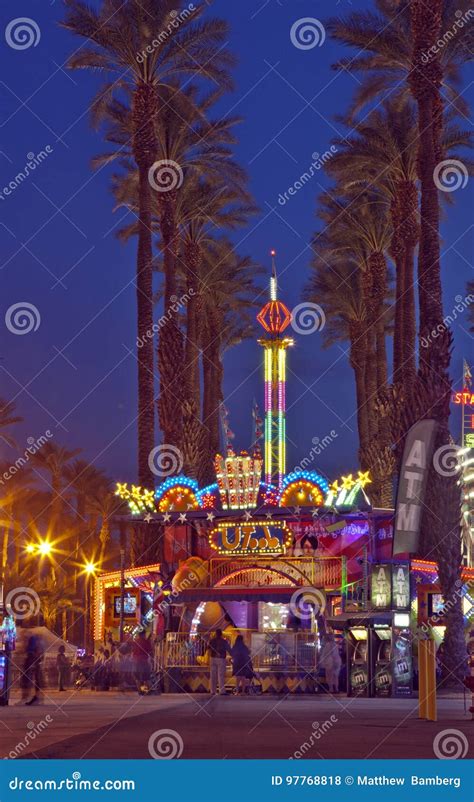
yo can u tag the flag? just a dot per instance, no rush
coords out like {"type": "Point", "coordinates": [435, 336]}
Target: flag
{"type": "Point", "coordinates": [467, 375]}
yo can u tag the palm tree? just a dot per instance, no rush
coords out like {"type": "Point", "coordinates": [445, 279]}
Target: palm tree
{"type": "Point", "coordinates": [7, 419]}
{"type": "Point", "coordinates": [121, 42]}
{"type": "Point", "coordinates": [53, 460]}
{"type": "Point", "coordinates": [470, 313]}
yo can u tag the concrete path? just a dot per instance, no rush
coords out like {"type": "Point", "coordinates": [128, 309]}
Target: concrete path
{"type": "Point", "coordinates": [115, 725]}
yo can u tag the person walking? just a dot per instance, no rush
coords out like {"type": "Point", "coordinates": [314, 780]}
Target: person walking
{"type": "Point", "coordinates": [330, 660]}
{"type": "Point", "coordinates": [242, 668]}
{"type": "Point", "coordinates": [218, 649]}
{"type": "Point", "coordinates": [63, 666]}
{"type": "Point", "coordinates": [141, 653]}
{"type": "Point", "coordinates": [32, 670]}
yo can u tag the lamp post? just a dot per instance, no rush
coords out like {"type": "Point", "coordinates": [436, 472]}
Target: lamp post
{"type": "Point", "coordinates": [89, 571]}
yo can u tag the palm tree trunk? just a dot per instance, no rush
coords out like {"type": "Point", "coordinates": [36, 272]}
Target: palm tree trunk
{"type": "Point", "coordinates": [357, 360]}
{"type": "Point", "coordinates": [441, 518]}
{"type": "Point", "coordinates": [144, 146]}
{"type": "Point", "coordinates": [192, 440]}
{"type": "Point", "coordinates": [170, 343]}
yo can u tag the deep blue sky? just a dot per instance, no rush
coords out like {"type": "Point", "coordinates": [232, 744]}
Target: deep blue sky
{"type": "Point", "coordinates": [59, 252]}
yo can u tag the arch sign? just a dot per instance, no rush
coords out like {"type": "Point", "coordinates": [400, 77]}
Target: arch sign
{"type": "Point", "coordinates": [252, 538]}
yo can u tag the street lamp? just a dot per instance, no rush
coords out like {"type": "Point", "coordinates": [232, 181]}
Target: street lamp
{"type": "Point", "coordinates": [89, 569]}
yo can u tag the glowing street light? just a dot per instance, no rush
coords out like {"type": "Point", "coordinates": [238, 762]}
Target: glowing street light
{"type": "Point", "coordinates": [30, 548]}
{"type": "Point", "coordinates": [44, 548]}
{"type": "Point", "coordinates": [90, 568]}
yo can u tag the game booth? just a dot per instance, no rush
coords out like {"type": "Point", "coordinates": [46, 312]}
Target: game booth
{"type": "Point", "coordinates": [279, 557]}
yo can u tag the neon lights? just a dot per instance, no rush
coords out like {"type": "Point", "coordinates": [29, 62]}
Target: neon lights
{"type": "Point", "coordinates": [464, 397]}
{"type": "Point", "coordinates": [173, 481]}
{"type": "Point", "coordinates": [274, 317]}
{"type": "Point", "coordinates": [302, 493]}
{"type": "Point", "coordinates": [255, 537]}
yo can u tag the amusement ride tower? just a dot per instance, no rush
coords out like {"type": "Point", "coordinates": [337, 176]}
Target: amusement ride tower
{"type": "Point", "coordinates": [274, 318]}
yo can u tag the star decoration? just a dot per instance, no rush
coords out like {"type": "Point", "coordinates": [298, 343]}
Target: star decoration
{"type": "Point", "coordinates": [335, 487]}
{"type": "Point", "coordinates": [347, 482]}
{"type": "Point", "coordinates": [182, 518]}
{"type": "Point", "coordinates": [315, 512]}
{"type": "Point", "coordinates": [268, 515]}
{"type": "Point", "coordinates": [247, 515]}
{"type": "Point", "coordinates": [147, 518]}
{"type": "Point", "coordinates": [363, 478]}
{"type": "Point", "coordinates": [210, 516]}
{"type": "Point", "coordinates": [166, 518]}
{"type": "Point", "coordinates": [297, 510]}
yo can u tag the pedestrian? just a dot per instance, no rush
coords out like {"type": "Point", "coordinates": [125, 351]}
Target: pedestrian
{"type": "Point", "coordinates": [63, 665]}
{"type": "Point", "coordinates": [218, 649]}
{"type": "Point", "coordinates": [242, 668]}
{"type": "Point", "coordinates": [141, 653]}
{"type": "Point", "coordinates": [32, 677]}
{"type": "Point", "coordinates": [330, 660]}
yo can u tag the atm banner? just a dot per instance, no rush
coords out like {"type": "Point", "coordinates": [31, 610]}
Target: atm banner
{"type": "Point", "coordinates": [390, 586]}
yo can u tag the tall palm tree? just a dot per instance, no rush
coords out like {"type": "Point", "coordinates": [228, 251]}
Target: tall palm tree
{"type": "Point", "coordinates": [121, 41]}
{"type": "Point", "coordinates": [470, 313]}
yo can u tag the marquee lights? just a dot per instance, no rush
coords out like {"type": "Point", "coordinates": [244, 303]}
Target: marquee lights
{"type": "Point", "coordinates": [238, 480]}
{"type": "Point", "coordinates": [178, 498]}
{"type": "Point", "coordinates": [173, 481]}
{"type": "Point", "coordinates": [302, 493]}
{"type": "Point", "coordinates": [251, 538]}
{"type": "Point", "coordinates": [344, 492]}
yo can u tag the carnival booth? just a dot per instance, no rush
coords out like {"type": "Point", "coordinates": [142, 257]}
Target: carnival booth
{"type": "Point", "coordinates": [279, 557]}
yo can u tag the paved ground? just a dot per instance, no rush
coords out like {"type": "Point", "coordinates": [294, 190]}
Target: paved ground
{"type": "Point", "coordinates": [115, 725]}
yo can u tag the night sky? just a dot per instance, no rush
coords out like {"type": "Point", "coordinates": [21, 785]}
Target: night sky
{"type": "Point", "coordinates": [76, 374]}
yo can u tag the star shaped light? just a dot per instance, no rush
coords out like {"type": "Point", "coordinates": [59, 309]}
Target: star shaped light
{"type": "Point", "coordinates": [335, 488]}
{"type": "Point", "coordinates": [268, 515]}
{"type": "Point", "coordinates": [347, 482]}
{"type": "Point", "coordinates": [166, 517]}
{"type": "Point", "coordinates": [363, 478]}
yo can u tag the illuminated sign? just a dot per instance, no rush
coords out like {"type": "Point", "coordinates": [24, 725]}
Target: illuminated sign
{"type": "Point", "coordinates": [252, 538]}
{"type": "Point", "coordinates": [469, 440]}
{"type": "Point", "coordinates": [381, 587]}
{"type": "Point", "coordinates": [465, 397]}
{"type": "Point", "coordinates": [401, 587]}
